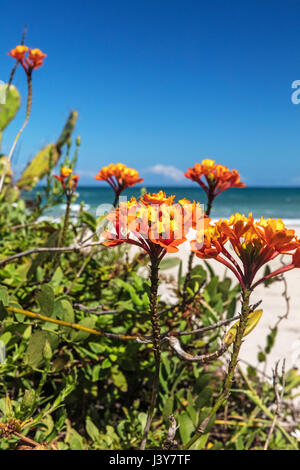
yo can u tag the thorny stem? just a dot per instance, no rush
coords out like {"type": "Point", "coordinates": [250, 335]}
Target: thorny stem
{"type": "Point", "coordinates": [156, 346]}
{"type": "Point", "coordinates": [225, 392]}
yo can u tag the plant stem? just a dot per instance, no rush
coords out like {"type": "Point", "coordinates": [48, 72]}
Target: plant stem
{"type": "Point", "coordinates": [188, 276]}
{"type": "Point", "coordinates": [26, 439]}
{"type": "Point", "coordinates": [62, 235]}
{"type": "Point", "coordinates": [28, 110]}
{"type": "Point", "coordinates": [75, 326]}
{"type": "Point", "coordinates": [210, 199]}
{"type": "Point", "coordinates": [225, 392]}
{"type": "Point", "coordinates": [116, 201]}
{"type": "Point", "coordinates": [62, 239]}
{"type": "Point", "coordinates": [156, 346]}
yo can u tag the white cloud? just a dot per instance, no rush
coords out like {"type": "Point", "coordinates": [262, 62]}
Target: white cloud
{"type": "Point", "coordinates": [170, 172]}
{"type": "Point", "coordinates": [86, 173]}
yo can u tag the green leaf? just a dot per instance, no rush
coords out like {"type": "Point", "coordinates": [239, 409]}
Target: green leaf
{"type": "Point", "coordinates": [252, 321]}
{"type": "Point", "coordinates": [186, 427]}
{"type": "Point", "coordinates": [28, 400]}
{"type": "Point", "coordinates": [46, 158]}
{"type": "Point", "coordinates": [48, 424]}
{"type": "Point", "coordinates": [119, 380]}
{"type": "Point", "coordinates": [96, 373]}
{"type": "Point", "coordinates": [201, 442]}
{"type": "Point", "coordinates": [38, 167]}
{"type": "Point", "coordinates": [4, 296]}
{"type": "Point", "coordinates": [97, 348]}
{"type": "Point", "coordinates": [261, 356]}
{"type": "Point", "coordinates": [91, 429]}
{"type": "Point", "coordinates": [168, 408]}
{"type": "Point", "coordinates": [9, 109]}
{"type": "Point", "coordinates": [142, 417]}
{"type": "Point", "coordinates": [60, 362]}
{"type": "Point", "coordinates": [179, 277]}
{"type": "Point", "coordinates": [271, 340]}
{"type": "Point", "coordinates": [57, 277]}
{"type": "Point", "coordinates": [82, 335]}
{"type": "Point", "coordinates": [89, 220]}
{"type": "Point", "coordinates": [27, 333]}
{"type": "Point", "coordinates": [64, 311]}
{"type": "Point", "coordinates": [6, 337]}
{"type": "Point", "coordinates": [268, 282]}
{"type": "Point", "coordinates": [198, 277]}
{"type": "Point", "coordinates": [76, 443]}
{"type": "Point", "coordinates": [35, 350]}
{"type": "Point", "coordinates": [45, 299]}
{"type": "Point", "coordinates": [210, 269]}
{"type": "Point", "coordinates": [239, 443]}
{"type": "Point", "coordinates": [212, 287]}
{"type": "Point", "coordinates": [67, 130]}
{"type": "Point", "coordinates": [41, 258]}
{"type": "Point", "coordinates": [106, 364]}
{"type": "Point", "coordinates": [47, 351]}
{"type": "Point", "coordinates": [168, 263]}
{"type": "Point", "coordinates": [131, 291]}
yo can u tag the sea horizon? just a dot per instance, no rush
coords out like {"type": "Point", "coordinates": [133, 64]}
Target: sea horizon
{"type": "Point", "coordinates": [268, 202]}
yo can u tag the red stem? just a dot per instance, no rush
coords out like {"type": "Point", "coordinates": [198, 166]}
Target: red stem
{"type": "Point", "coordinates": [282, 270]}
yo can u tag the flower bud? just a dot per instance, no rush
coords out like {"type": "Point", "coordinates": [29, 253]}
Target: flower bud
{"type": "Point", "coordinates": [47, 352]}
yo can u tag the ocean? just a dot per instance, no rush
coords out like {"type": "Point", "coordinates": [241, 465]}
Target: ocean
{"type": "Point", "coordinates": [281, 203]}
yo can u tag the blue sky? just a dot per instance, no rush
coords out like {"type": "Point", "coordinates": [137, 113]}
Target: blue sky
{"type": "Point", "coordinates": [162, 84]}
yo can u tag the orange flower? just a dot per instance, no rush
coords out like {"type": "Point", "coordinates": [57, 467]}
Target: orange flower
{"type": "Point", "coordinates": [296, 258]}
{"type": "Point", "coordinates": [65, 172]}
{"type": "Point", "coordinates": [254, 243]}
{"type": "Point", "coordinates": [66, 176]}
{"type": "Point", "coordinates": [18, 53]}
{"type": "Point", "coordinates": [157, 227]}
{"type": "Point", "coordinates": [33, 61]}
{"type": "Point", "coordinates": [119, 177]}
{"type": "Point", "coordinates": [157, 198]}
{"type": "Point", "coordinates": [35, 58]}
{"type": "Point", "coordinates": [213, 178]}
{"type": "Point", "coordinates": [73, 182]}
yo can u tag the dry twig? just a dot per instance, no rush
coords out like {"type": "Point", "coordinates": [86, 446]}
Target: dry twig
{"type": "Point", "coordinates": [170, 442]}
{"type": "Point", "coordinates": [278, 398]}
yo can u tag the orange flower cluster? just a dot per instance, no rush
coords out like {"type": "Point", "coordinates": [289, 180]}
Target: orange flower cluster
{"type": "Point", "coordinates": [214, 178]}
{"type": "Point", "coordinates": [119, 176]}
{"type": "Point", "coordinates": [33, 61]}
{"type": "Point", "coordinates": [18, 53]}
{"type": "Point", "coordinates": [254, 243]}
{"type": "Point", "coordinates": [68, 181]}
{"type": "Point", "coordinates": [154, 223]}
